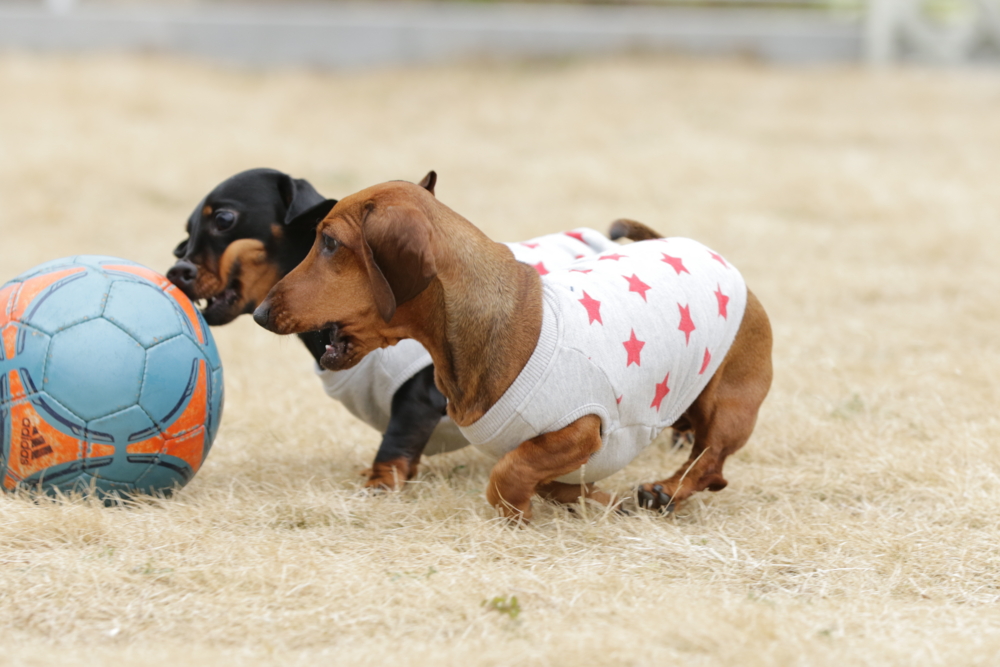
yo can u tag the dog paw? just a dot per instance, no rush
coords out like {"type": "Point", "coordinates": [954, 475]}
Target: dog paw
{"type": "Point", "coordinates": [512, 513]}
{"type": "Point", "coordinates": [514, 518]}
{"type": "Point", "coordinates": [390, 475]}
{"type": "Point", "coordinates": [378, 485]}
{"type": "Point", "coordinates": [679, 439]}
{"type": "Point", "coordinates": [653, 497]}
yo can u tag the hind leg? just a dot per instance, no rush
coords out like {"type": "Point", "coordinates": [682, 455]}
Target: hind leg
{"type": "Point", "coordinates": [715, 439]}
{"type": "Point", "coordinates": [723, 416]}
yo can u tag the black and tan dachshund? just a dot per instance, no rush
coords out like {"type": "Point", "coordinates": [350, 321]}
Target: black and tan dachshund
{"type": "Point", "coordinates": [243, 237]}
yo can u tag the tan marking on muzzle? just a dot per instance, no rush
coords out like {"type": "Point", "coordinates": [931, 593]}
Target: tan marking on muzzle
{"type": "Point", "coordinates": [208, 283]}
{"type": "Point", "coordinates": [257, 273]}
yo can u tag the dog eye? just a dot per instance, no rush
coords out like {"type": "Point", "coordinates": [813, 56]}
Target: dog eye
{"type": "Point", "coordinates": [224, 220]}
{"type": "Point", "coordinates": [330, 244]}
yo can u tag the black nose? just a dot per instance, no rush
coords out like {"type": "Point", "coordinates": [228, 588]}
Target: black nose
{"type": "Point", "coordinates": [183, 274]}
{"type": "Point", "coordinates": [263, 314]}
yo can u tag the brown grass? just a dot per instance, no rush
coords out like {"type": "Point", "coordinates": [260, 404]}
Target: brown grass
{"type": "Point", "coordinates": [862, 520]}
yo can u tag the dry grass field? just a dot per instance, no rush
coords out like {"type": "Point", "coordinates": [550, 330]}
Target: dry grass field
{"type": "Point", "coordinates": [862, 521]}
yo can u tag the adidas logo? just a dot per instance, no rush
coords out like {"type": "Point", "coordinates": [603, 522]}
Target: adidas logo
{"type": "Point", "coordinates": [33, 445]}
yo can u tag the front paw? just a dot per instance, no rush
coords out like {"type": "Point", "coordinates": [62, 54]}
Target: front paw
{"type": "Point", "coordinates": [390, 475]}
{"type": "Point", "coordinates": [514, 510]}
{"type": "Point", "coordinates": [654, 497]}
{"type": "Point", "coordinates": [515, 516]}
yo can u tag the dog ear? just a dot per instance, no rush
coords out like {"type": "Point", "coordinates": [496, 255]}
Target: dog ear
{"type": "Point", "coordinates": [429, 181]}
{"type": "Point", "coordinates": [385, 300]}
{"type": "Point", "coordinates": [298, 196]}
{"type": "Point", "coordinates": [307, 219]}
{"type": "Point", "coordinates": [400, 261]}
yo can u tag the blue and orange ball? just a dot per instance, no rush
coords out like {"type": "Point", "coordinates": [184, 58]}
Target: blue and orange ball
{"type": "Point", "coordinates": [110, 381]}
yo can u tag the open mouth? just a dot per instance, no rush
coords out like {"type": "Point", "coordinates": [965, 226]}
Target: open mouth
{"type": "Point", "coordinates": [339, 349]}
{"type": "Point", "coordinates": [219, 308]}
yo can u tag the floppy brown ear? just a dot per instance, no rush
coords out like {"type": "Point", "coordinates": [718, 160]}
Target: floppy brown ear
{"type": "Point", "coordinates": [385, 300]}
{"type": "Point", "coordinates": [402, 262]}
{"type": "Point", "coordinates": [429, 181]}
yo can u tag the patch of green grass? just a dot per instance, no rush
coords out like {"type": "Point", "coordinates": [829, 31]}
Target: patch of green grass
{"type": "Point", "coordinates": [504, 605]}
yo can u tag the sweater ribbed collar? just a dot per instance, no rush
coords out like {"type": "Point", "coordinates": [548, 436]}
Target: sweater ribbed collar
{"type": "Point", "coordinates": [496, 418]}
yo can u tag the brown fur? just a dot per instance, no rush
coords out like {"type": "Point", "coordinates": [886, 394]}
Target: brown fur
{"type": "Point", "coordinates": [724, 414]}
{"type": "Point", "coordinates": [479, 316]}
{"type": "Point", "coordinates": [631, 229]}
{"type": "Point", "coordinates": [477, 341]}
{"type": "Point", "coordinates": [538, 462]}
{"type": "Point", "coordinates": [244, 265]}
{"type": "Point", "coordinates": [390, 475]}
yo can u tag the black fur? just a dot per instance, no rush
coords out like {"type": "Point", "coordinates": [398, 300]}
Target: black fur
{"type": "Point", "coordinates": [417, 407]}
{"type": "Point", "coordinates": [259, 198]}
{"type": "Point", "coordinates": [251, 203]}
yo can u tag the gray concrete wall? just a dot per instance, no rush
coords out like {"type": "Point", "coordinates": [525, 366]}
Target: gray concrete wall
{"type": "Point", "coordinates": [351, 35]}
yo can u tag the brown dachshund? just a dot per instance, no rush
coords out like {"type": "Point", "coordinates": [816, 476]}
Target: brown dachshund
{"type": "Point", "coordinates": [392, 262]}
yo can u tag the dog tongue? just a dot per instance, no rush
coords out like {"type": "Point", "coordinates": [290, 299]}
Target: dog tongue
{"type": "Point", "coordinates": [337, 346]}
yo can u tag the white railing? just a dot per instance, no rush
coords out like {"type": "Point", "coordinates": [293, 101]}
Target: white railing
{"type": "Point", "coordinates": [878, 31]}
{"type": "Point", "coordinates": [948, 34]}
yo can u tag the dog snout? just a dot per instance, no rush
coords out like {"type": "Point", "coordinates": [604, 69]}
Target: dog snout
{"type": "Point", "coordinates": [262, 315]}
{"type": "Point", "coordinates": [183, 274]}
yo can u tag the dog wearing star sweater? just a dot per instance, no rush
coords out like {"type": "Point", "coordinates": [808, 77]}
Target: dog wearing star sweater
{"type": "Point", "coordinates": [562, 378]}
{"type": "Point", "coordinates": [255, 226]}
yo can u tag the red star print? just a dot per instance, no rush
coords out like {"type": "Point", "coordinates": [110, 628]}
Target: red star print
{"type": "Point", "coordinates": [530, 245]}
{"type": "Point", "coordinates": [675, 262]}
{"type": "Point", "coordinates": [615, 257]}
{"type": "Point", "coordinates": [540, 267]}
{"type": "Point", "coordinates": [661, 392]}
{"type": "Point", "coordinates": [718, 258]}
{"type": "Point", "coordinates": [723, 301]}
{"type": "Point", "coordinates": [705, 362]}
{"type": "Point", "coordinates": [619, 399]}
{"type": "Point", "coordinates": [593, 307]}
{"type": "Point", "coordinates": [578, 257]}
{"type": "Point", "coordinates": [686, 325]}
{"type": "Point", "coordinates": [581, 270]}
{"type": "Point", "coordinates": [633, 346]}
{"type": "Point", "coordinates": [636, 285]}
{"type": "Point", "coordinates": [576, 235]}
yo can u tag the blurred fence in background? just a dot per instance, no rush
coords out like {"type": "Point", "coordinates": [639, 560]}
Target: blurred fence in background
{"type": "Point", "coordinates": [942, 32]}
{"type": "Point", "coordinates": [359, 34]}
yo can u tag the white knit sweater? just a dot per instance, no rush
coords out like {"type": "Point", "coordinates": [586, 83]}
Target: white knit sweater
{"type": "Point", "coordinates": [632, 335]}
{"type": "Point", "coordinates": [366, 390]}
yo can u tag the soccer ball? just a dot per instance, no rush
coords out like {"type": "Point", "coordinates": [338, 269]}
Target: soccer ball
{"type": "Point", "coordinates": [110, 381]}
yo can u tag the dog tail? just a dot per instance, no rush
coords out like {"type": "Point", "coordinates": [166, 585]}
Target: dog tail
{"type": "Point", "coordinates": [632, 230]}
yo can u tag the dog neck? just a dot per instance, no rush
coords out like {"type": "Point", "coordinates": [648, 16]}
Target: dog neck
{"type": "Point", "coordinates": [479, 319]}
